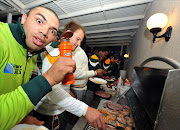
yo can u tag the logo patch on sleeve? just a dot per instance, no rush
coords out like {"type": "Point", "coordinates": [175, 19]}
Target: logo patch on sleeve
{"type": "Point", "coordinates": [12, 69]}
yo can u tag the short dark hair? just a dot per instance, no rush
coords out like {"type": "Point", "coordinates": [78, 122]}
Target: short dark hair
{"type": "Point", "coordinates": [116, 56]}
{"type": "Point", "coordinates": [44, 8]}
{"type": "Point", "coordinates": [103, 49]}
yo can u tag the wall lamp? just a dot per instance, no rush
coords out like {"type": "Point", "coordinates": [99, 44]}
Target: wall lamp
{"type": "Point", "coordinates": [155, 24]}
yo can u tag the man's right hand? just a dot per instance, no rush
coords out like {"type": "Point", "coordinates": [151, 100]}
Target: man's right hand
{"type": "Point", "coordinates": [100, 72]}
{"type": "Point", "coordinates": [95, 119]}
{"type": "Point", "coordinates": [61, 67]}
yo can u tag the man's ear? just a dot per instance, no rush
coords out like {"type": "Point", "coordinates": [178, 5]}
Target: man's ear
{"type": "Point", "coordinates": [23, 19]}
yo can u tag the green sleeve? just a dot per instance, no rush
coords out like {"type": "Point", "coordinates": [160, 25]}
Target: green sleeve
{"type": "Point", "coordinates": [14, 107]}
{"type": "Point", "coordinates": [17, 104]}
{"type": "Point", "coordinates": [37, 88]}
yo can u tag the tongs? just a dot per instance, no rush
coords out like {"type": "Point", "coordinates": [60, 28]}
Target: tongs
{"type": "Point", "coordinates": [117, 127]}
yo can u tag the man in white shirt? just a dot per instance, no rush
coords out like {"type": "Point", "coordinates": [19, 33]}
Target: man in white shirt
{"type": "Point", "coordinates": [50, 109]}
{"type": "Point", "coordinates": [82, 73]}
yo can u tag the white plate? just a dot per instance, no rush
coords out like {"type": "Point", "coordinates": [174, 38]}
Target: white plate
{"type": "Point", "coordinates": [28, 127]}
{"type": "Point", "coordinates": [98, 80]}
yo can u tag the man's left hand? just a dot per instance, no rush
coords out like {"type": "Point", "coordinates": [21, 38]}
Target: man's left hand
{"type": "Point", "coordinates": [31, 120]}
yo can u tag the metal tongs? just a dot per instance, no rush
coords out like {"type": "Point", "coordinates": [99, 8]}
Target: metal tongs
{"type": "Point", "coordinates": [117, 127]}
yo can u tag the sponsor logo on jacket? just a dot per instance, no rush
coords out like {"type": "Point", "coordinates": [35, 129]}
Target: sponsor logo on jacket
{"type": "Point", "coordinates": [12, 68]}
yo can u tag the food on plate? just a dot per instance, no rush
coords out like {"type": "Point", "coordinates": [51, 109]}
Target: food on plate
{"type": "Point", "coordinates": [117, 115]}
{"type": "Point", "coordinates": [97, 80]}
{"type": "Point", "coordinates": [130, 121]}
{"type": "Point", "coordinates": [120, 115]}
{"type": "Point", "coordinates": [107, 116]}
{"type": "Point", "coordinates": [109, 127]}
{"type": "Point", "coordinates": [103, 94]}
{"type": "Point", "coordinates": [114, 106]}
{"type": "Point", "coordinates": [128, 128]}
{"type": "Point", "coordinates": [106, 77]}
{"type": "Point", "coordinates": [111, 117]}
{"type": "Point", "coordinates": [105, 104]}
{"type": "Point", "coordinates": [126, 107]}
{"type": "Point", "coordinates": [104, 111]}
{"type": "Point", "coordinates": [109, 85]}
{"type": "Point", "coordinates": [125, 112]}
{"type": "Point", "coordinates": [28, 127]}
{"type": "Point", "coordinates": [106, 120]}
{"type": "Point", "coordinates": [121, 120]}
{"type": "Point", "coordinates": [114, 112]}
{"type": "Point", "coordinates": [120, 124]}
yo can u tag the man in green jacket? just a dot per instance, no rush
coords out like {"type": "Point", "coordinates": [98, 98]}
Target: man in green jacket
{"type": "Point", "coordinates": [95, 59]}
{"type": "Point", "coordinates": [94, 64]}
{"type": "Point", "coordinates": [18, 44]}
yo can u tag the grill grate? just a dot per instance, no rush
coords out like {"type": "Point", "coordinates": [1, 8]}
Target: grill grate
{"type": "Point", "coordinates": [89, 127]}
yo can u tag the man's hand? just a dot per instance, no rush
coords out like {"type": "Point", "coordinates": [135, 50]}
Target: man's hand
{"type": "Point", "coordinates": [100, 72]}
{"type": "Point", "coordinates": [61, 67]}
{"type": "Point", "coordinates": [95, 118]}
{"type": "Point", "coordinates": [115, 82]}
{"type": "Point", "coordinates": [109, 85]}
{"type": "Point", "coordinates": [31, 120]}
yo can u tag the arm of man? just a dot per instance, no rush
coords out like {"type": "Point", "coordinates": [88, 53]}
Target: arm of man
{"type": "Point", "coordinates": [17, 100]}
{"type": "Point", "coordinates": [80, 73]}
{"type": "Point", "coordinates": [17, 104]}
{"type": "Point", "coordinates": [82, 70]}
{"type": "Point", "coordinates": [77, 107]}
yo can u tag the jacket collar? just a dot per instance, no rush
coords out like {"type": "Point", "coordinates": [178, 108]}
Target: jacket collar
{"type": "Point", "coordinates": [18, 32]}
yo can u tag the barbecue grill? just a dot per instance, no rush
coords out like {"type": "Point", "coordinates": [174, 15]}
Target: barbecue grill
{"type": "Point", "coordinates": [154, 96]}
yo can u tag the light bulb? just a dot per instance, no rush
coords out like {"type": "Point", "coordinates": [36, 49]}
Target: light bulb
{"type": "Point", "coordinates": [126, 55]}
{"type": "Point", "coordinates": [158, 20]}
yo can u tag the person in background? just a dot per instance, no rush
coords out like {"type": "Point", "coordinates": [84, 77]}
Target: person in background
{"type": "Point", "coordinates": [95, 51]}
{"type": "Point", "coordinates": [94, 64]}
{"type": "Point", "coordinates": [106, 63]}
{"type": "Point", "coordinates": [114, 68]}
{"type": "Point", "coordinates": [51, 108]}
{"type": "Point", "coordinates": [82, 73]}
{"type": "Point", "coordinates": [95, 59]}
{"type": "Point", "coordinates": [18, 43]}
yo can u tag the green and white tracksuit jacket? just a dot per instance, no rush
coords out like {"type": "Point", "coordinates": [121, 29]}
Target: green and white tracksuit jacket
{"type": "Point", "coordinates": [18, 95]}
{"type": "Point", "coordinates": [94, 62]}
